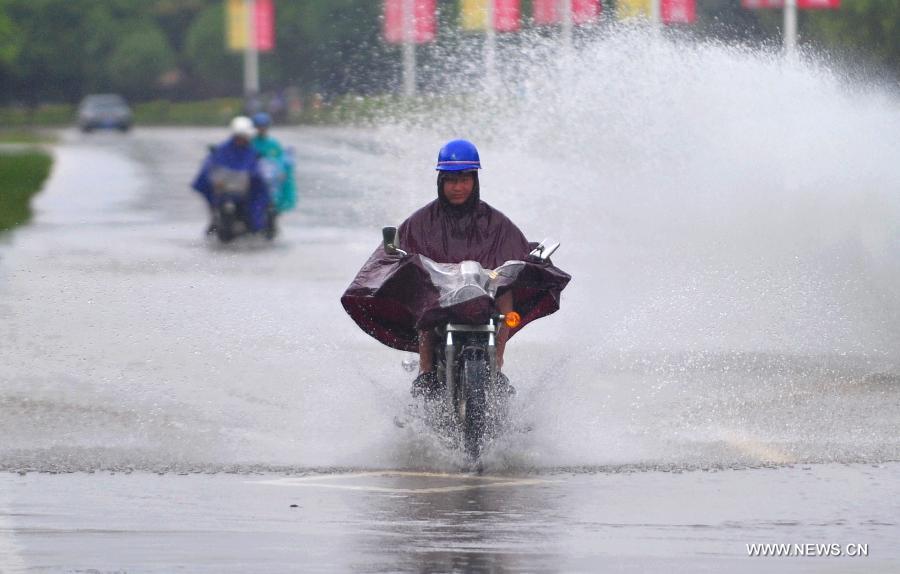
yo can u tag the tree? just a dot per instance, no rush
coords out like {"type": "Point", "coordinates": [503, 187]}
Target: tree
{"type": "Point", "coordinates": [10, 41]}
{"type": "Point", "coordinates": [67, 46]}
{"type": "Point", "coordinates": [216, 70]}
{"type": "Point", "coordinates": [139, 60]}
{"type": "Point", "coordinates": [869, 27]}
{"type": "Point", "coordinates": [50, 65]}
{"type": "Point", "coordinates": [331, 46]}
{"type": "Point", "coordinates": [10, 47]}
{"type": "Point", "coordinates": [61, 49]}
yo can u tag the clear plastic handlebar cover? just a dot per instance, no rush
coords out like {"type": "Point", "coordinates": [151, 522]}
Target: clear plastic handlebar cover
{"type": "Point", "coordinates": [461, 282]}
{"type": "Point", "coordinates": [230, 181]}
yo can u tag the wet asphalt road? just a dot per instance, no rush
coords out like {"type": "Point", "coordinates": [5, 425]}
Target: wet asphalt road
{"type": "Point", "coordinates": [165, 401]}
{"type": "Point", "coordinates": [426, 522]}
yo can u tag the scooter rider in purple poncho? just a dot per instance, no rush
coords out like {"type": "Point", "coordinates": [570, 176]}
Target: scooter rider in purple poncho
{"type": "Point", "coordinates": [237, 154]}
{"type": "Point", "coordinates": [459, 226]}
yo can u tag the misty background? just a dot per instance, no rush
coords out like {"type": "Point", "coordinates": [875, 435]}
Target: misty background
{"type": "Point", "coordinates": [56, 51]}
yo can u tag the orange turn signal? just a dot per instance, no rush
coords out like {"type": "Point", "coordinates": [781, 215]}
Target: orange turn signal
{"type": "Point", "coordinates": [512, 319]}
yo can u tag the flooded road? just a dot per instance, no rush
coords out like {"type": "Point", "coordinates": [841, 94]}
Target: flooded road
{"type": "Point", "coordinates": [165, 401]}
{"type": "Point", "coordinates": [129, 341]}
{"type": "Point", "coordinates": [427, 522]}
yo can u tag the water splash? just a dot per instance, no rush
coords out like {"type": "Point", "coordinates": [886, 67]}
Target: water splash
{"type": "Point", "coordinates": [710, 196]}
{"type": "Point", "coordinates": [730, 220]}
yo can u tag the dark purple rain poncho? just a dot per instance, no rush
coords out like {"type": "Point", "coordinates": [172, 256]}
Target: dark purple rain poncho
{"type": "Point", "coordinates": [392, 298]}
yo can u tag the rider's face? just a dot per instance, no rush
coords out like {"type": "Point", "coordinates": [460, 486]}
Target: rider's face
{"type": "Point", "coordinates": [458, 187]}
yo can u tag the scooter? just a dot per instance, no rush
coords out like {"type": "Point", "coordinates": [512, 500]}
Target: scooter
{"type": "Point", "coordinates": [231, 191]}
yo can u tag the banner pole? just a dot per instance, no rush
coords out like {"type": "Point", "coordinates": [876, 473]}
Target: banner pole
{"type": "Point", "coordinates": [655, 12]}
{"type": "Point", "coordinates": [409, 49]}
{"type": "Point", "coordinates": [251, 54]}
{"type": "Point", "coordinates": [565, 9]}
{"type": "Point", "coordinates": [790, 28]}
{"type": "Point", "coordinates": [490, 49]}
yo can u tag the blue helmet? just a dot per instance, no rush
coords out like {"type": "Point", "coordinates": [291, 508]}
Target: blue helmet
{"type": "Point", "coordinates": [458, 155]}
{"type": "Point", "coordinates": [262, 120]}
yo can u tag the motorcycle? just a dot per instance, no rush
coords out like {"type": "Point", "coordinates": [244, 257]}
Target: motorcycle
{"type": "Point", "coordinates": [231, 193]}
{"type": "Point", "coordinates": [457, 303]}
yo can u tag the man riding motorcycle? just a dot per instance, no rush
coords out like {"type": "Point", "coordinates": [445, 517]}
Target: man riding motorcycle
{"type": "Point", "coordinates": [454, 283]}
{"type": "Point", "coordinates": [236, 154]}
{"type": "Point", "coordinates": [458, 226]}
{"type": "Point", "coordinates": [284, 192]}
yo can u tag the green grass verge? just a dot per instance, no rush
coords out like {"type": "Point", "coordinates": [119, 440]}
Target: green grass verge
{"type": "Point", "coordinates": [21, 176]}
{"type": "Point", "coordinates": [24, 136]}
{"type": "Point", "coordinates": [217, 112]}
{"type": "Point", "coordinates": [43, 115]}
{"type": "Point", "coordinates": [342, 110]}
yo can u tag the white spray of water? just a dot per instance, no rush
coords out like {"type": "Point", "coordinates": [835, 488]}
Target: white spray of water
{"type": "Point", "coordinates": [730, 222]}
{"type": "Point", "coordinates": [719, 208]}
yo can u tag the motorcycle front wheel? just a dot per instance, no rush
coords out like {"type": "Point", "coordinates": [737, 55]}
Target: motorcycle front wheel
{"type": "Point", "coordinates": [227, 217]}
{"type": "Point", "coordinates": [473, 381]}
{"type": "Point", "coordinates": [271, 228]}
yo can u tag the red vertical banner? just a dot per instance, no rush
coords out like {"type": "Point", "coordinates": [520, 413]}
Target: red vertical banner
{"type": "Point", "coordinates": [585, 11]}
{"type": "Point", "coordinates": [818, 4]}
{"type": "Point", "coordinates": [393, 21]}
{"type": "Point", "coordinates": [507, 15]}
{"type": "Point", "coordinates": [801, 4]}
{"type": "Point", "coordinates": [424, 21]}
{"type": "Point", "coordinates": [678, 11]}
{"type": "Point", "coordinates": [546, 12]}
{"type": "Point", "coordinates": [264, 20]}
{"type": "Point", "coordinates": [425, 13]}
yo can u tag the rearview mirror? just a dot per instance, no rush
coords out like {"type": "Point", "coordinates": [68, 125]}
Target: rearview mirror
{"type": "Point", "coordinates": [545, 249]}
{"type": "Point", "coordinates": [389, 240]}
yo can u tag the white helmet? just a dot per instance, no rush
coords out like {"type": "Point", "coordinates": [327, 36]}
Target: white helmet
{"type": "Point", "coordinates": [243, 126]}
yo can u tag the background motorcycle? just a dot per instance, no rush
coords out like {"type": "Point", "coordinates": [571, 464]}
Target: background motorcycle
{"type": "Point", "coordinates": [231, 191]}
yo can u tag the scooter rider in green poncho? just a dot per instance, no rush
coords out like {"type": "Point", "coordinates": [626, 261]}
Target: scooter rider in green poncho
{"type": "Point", "coordinates": [277, 166]}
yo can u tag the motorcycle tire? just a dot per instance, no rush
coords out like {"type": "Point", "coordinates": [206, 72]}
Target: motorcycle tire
{"type": "Point", "coordinates": [225, 226]}
{"type": "Point", "coordinates": [271, 228]}
{"type": "Point", "coordinates": [473, 379]}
